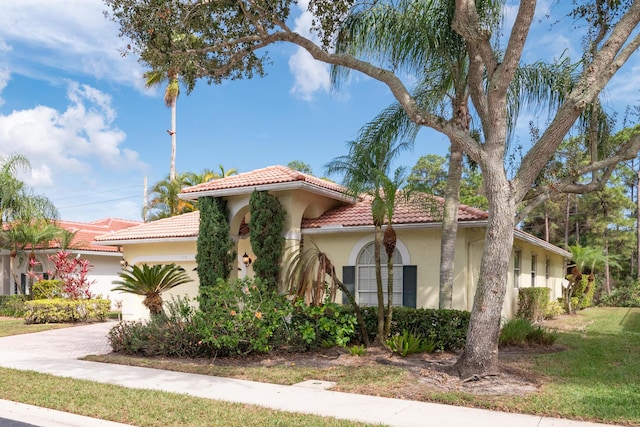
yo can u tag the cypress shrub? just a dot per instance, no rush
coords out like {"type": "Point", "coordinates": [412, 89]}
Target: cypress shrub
{"type": "Point", "coordinates": [267, 241]}
{"type": "Point", "coordinates": [215, 253]}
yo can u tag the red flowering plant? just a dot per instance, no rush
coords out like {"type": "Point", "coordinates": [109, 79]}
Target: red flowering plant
{"type": "Point", "coordinates": [72, 272]}
{"type": "Point", "coordinates": [31, 273]}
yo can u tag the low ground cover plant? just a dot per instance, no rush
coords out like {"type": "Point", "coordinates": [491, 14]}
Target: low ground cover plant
{"type": "Point", "coordinates": [521, 332]}
{"type": "Point", "coordinates": [407, 343]}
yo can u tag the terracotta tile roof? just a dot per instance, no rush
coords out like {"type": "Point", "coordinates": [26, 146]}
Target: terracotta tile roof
{"type": "Point", "coordinates": [263, 177]}
{"type": "Point", "coordinates": [87, 232]}
{"type": "Point", "coordinates": [185, 225]}
{"type": "Point", "coordinates": [419, 210]}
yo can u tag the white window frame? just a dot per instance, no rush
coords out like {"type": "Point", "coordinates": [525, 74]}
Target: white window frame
{"type": "Point", "coordinates": [366, 271]}
{"type": "Point", "coordinates": [534, 269]}
{"type": "Point", "coordinates": [517, 267]}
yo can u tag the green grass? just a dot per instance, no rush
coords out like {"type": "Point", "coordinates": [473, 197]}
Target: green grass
{"type": "Point", "coordinates": [596, 378]}
{"type": "Point", "coordinates": [16, 326]}
{"type": "Point", "coordinates": [145, 407]}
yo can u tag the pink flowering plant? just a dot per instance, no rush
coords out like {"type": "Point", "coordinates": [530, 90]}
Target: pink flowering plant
{"type": "Point", "coordinates": [72, 272]}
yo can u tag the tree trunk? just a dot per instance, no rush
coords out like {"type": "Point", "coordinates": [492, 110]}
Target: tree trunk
{"type": "Point", "coordinates": [638, 225]}
{"type": "Point", "coordinates": [450, 227]}
{"type": "Point", "coordinates": [377, 247]}
{"type": "Point", "coordinates": [172, 168]}
{"type": "Point", "coordinates": [566, 223]}
{"type": "Point", "coordinates": [480, 356]}
{"type": "Point", "coordinates": [607, 273]}
{"type": "Point", "coordinates": [390, 240]}
{"type": "Point", "coordinates": [12, 268]}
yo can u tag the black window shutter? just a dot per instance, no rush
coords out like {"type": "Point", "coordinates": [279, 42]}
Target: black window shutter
{"type": "Point", "coordinates": [349, 281]}
{"type": "Point", "coordinates": [409, 285]}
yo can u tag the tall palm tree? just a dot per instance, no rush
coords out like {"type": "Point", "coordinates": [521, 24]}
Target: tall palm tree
{"type": "Point", "coordinates": [364, 169]}
{"type": "Point", "coordinates": [171, 93]}
{"type": "Point", "coordinates": [391, 188]}
{"type": "Point", "coordinates": [150, 282]}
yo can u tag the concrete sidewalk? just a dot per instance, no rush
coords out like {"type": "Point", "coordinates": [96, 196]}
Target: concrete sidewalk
{"type": "Point", "coordinates": [56, 352]}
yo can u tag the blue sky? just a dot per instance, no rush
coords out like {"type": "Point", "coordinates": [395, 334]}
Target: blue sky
{"type": "Point", "coordinates": [79, 110]}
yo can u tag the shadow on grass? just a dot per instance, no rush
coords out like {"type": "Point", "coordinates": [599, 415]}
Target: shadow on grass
{"type": "Point", "coordinates": [631, 321]}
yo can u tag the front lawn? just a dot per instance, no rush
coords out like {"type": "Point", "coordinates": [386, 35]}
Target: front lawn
{"type": "Point", "coordinates": [596, 377]}
{"type": "Point", "coordinates": [17, 326]}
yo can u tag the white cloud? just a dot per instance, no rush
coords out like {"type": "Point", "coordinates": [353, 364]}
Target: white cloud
{"type": "Point", "coordinates": [5, 75]}
{"type": "Point", "coordinates": [310, 75]}
{"type": "Point", "coordinates": [78, 142]}
{"type": "Point", "coordinates": [70, 35]}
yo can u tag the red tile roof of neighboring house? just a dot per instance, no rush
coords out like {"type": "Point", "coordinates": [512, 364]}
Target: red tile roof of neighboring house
{"type": "Point", "coordinates": [185, 225]}
{"type": "Point", "coordinates": [265, 177]}
{"type": "Point", "coordinates": [86, 232]}
{"type": "Point", "coordinates": [419, 210]}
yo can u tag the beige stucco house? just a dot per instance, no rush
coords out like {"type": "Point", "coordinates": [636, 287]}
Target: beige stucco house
{"type": "Point", "coordinates": [322, 213]}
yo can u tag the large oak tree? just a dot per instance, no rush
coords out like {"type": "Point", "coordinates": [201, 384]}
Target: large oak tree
{"type": "Point", "coordinates": [219, 40]}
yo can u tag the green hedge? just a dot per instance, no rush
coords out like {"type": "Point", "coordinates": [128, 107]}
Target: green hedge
{"type": "Point", "coordinates": [447, 329]}
{"type": "Point", "coordinates": [532, 303]}
{"type": "Point", "coordinates": [61, 310]}
{"type": "Point", "coordinates": [12, 305]}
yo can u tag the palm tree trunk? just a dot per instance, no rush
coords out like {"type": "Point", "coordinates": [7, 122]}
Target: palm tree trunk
{"type": "Point", "coordinates": [450, 227]}
{"type": "Point", "coordinates": [390, 240]}
{"type": "Point", "coordinates": [638, 225]}
{"type": "Point", "coordinates": [172, 168]}
{"type": "Point", "coordinates": [377, 247]}
{"type": "Point", "coordinates": [12, 268]}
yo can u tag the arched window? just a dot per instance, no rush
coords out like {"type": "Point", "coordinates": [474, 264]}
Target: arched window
{"type": "Point", "coordinates": [366, 288]}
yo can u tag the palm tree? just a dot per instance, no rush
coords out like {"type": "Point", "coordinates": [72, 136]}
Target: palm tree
{"type": "Point", "coordinates": [413, 35]}
{"type": "Point", "coordinates": [192, 178]}
{"type": "Point", "coordinates": [10, 187]}
{"type": "Point", "coordinates": [151, 282]}
{"type": "Point", "coordinates": [365, 169]}
{"type": "Point", "coordinates": [306, 278]}
{"type": "Point", "coordinates": [164, 202]}
{"type": "Point", "coordinates": [391, 188]}
{"type": "Point", "coordinates": [585, 259]}
{"type": "Point", "coordinates": [171, 93]}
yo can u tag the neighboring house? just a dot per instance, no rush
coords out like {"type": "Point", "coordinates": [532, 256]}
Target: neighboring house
{"type": "Point", "coordinates": [104, 259]}
{"type": "Point", "coordinates": [322, 213]}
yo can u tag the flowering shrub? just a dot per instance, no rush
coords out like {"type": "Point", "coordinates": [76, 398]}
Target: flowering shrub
{"type": "Point", "coordinates": [243, 316]}
{"type": "Point", "coordinates": [72, 272]}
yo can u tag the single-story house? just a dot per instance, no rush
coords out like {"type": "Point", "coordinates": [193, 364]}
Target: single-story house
{"type": "Point", "coordinates": [105, 259]}
{"type": "Point", "coordinates": [321, 212]}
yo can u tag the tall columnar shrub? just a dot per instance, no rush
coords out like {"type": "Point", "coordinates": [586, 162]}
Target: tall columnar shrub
{"type": "Point", "coordinates": [215, 252]}
{"type": "Point", "coordinates": [266, 233]}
